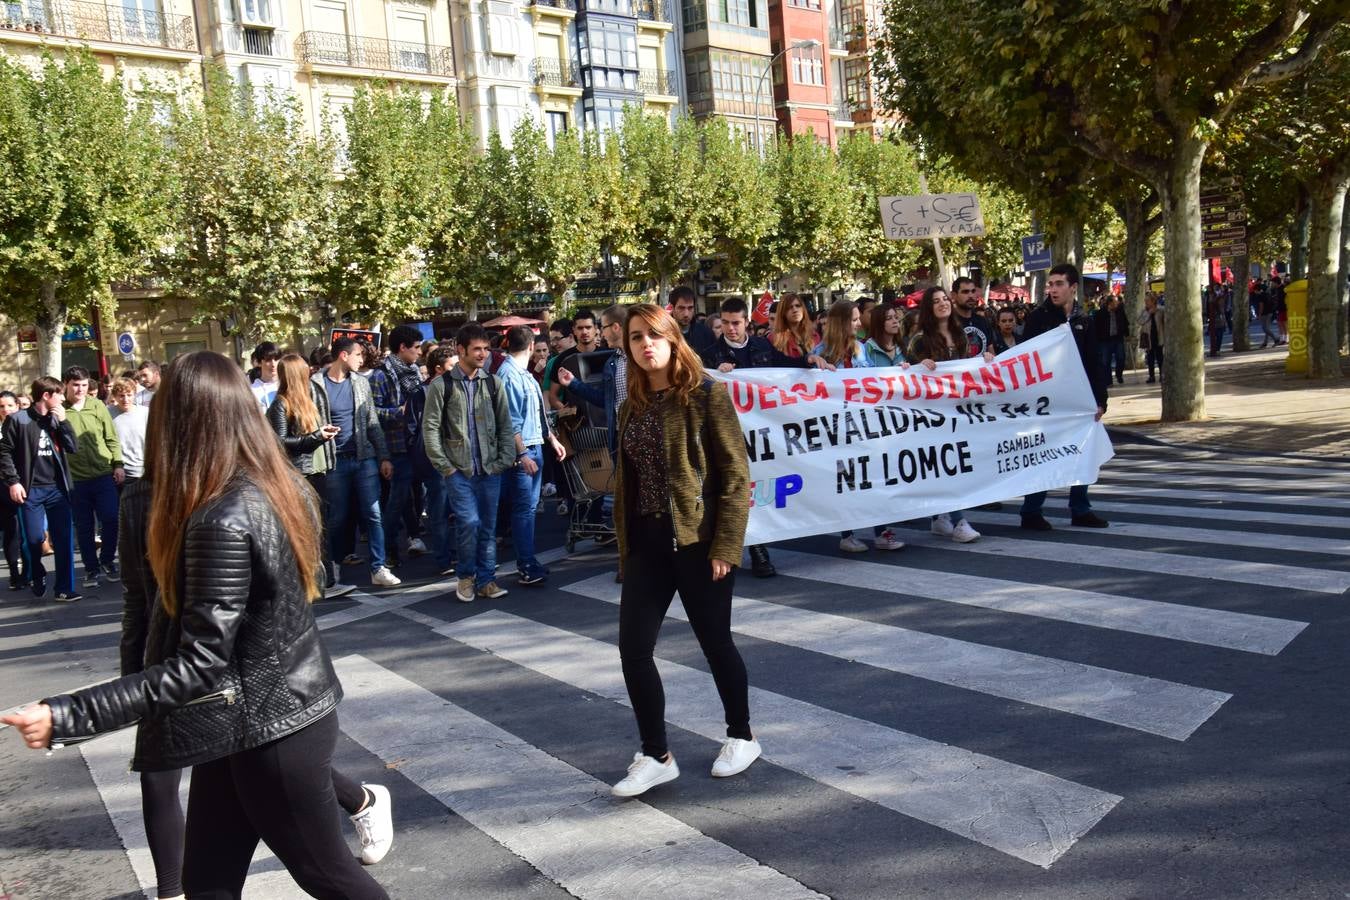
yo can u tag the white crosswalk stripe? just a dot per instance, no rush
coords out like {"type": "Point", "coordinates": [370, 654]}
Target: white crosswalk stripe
{"type": "Point", "coordinates": [1322, 581]}
{"type": "Point", "coordinates": [1260, 540]}
{"type": "Point", "coordinates": [1235, 480]}
{"type": "Point", "coordinates": [1210, 513]}
{"type": "Point", "coordinates": [1302, 501]}
{"type": "Point", "coordinates": [1022, 812]}
{"type": "Point", "coordinates": [558, 818]}
{"type": "Point", "coordinates": [1215, 627]}
{"type": "Point", "coordinates": [1147, 704]}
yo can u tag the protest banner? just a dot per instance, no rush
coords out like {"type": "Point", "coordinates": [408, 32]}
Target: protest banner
{"type": "Point", "coordinates": [832, 451]}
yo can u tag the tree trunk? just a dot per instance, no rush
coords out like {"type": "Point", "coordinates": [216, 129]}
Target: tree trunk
{"type": "Point", "coordinates": [1298, 235]}
{"type": "Point", "coordinates": [1343, 281]}
{"type": "Point", "coordinates": [51, 324]}
{"type": "Point", "coordinates": [1327, 210]}
{"type": "Point", "coordinates": [1183, 390]}
{"type": "Point", "coordinates": [1242, 306]}
{"type": "Point", "coordinates": [1067, 246]}
{"type": "Point", "coordinates": [1136, 268]}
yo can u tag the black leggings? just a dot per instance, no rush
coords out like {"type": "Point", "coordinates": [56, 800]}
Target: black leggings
{"type": "Point", "coordinates": [9, 535]}
{"type": "Point", "coordinates": [163, 814]}
{"type": "Point", "coordinates": [653, 572]}
{"type": "Point", "coordinates": [320, 484]}
{"type": "Point", "coordinates": [283, 793]}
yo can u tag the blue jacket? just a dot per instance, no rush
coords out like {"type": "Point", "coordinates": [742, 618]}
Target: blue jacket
{"type": "Point", "coordinates": [606, 396]}
{"type": "Point", "coordinates": [860, 361]}
{"type": "Point", "coordinates": [877, 358]}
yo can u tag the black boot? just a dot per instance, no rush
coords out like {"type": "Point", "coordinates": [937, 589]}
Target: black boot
{"type": "Point", "coordinates": [759, 562]}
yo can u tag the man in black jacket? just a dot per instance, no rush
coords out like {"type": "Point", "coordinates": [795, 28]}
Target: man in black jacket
{"type": "Point", "coordinates": [698, 335]}
{"type": "Point", "coordinates": [35, 444]}
{"type": "Point", "coordinates": [1062, 288]}
{"type": "Point", "coordinates": [1112, 331]}
{"type": "Point", "coordinates": [738, 349]}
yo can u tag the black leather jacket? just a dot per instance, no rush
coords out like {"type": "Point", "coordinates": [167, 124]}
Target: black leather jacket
{"type": "Point", "coordinates": [241, 665]}
{"type": "Point", "coordinates": [309, 453]}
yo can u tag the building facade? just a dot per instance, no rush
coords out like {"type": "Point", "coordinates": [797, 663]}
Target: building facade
{"type": "Point", "coordinates": [726, 62]}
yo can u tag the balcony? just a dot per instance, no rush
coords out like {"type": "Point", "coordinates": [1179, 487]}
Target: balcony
{"type": "Point", "coordinates": [88, 21]}
{"type": "Point", "coordinates": [555, 4]}
{"type": "Point", "coordinates": [843, 111]}
{"type": "Point", "coordinates": [253, 41]}
{"type": "Point", "coordinates": [652, 10]}
{"type": "Point", "coordinates": [657, 81]}
{"type": "Point", "coordinates": [554, 73]}
{"type": "Point", "coordinates": [838, 38]}
{"type": "Point", "coordinates": [333, 49]}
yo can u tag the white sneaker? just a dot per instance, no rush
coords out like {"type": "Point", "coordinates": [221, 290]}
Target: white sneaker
{"type": "Point", "coordinates": [337, 589]}
{"type": "Point", "coordinates": [851, 544]}
{"type": "Point", "coordinates": [942, 525]}
{"type": "Point", "coordinates": [644, 774]}
{"type": "Point", "coordinates": [887, 541]}
{"type": "Point", "coordinates": [382, 577]}
{"type": "Point", "coordinates": [375, 825]}
{"type": "Point", "coordinates": [736, 757]}
{"type": "Point", "coordinates": [963, 533]}
{"type": "Point", "coordinates": [416, 547]}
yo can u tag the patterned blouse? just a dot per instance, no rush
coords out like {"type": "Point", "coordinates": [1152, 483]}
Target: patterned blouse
{"type": "Point", "coordinates": [644, 445]}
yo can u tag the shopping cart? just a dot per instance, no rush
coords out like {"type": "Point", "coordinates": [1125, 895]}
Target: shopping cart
{"type": "Point", "coordinates": [589, 471]}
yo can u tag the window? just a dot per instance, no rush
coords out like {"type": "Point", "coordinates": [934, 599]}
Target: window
{"type": "Point", "coordinates": [609, 44]}
{"type": "Point", "coordinates": [856, 88]}
{"type": "Point", "coordinates": [501, 33]}
{"type": "Point", "coordinates": [695, 14]}
{"type": "Point", "coordinates": [330, 17]}
{"type": "Point", "coordinates": [808, 66]}
{"type": "Point", "coordinates": [410, 36]}
{"type": "Point", "coordinates": [603, 113]}
{"type": "Point", "coordinates": [805, 4]}
{"type": "Point", "coordinates": [256, 12]}
{"type": "Point", "coordinates": [335, 123]}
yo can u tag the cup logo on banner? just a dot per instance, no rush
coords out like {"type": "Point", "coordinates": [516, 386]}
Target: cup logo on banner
{"type": "Point", "coordinates": [831, 451]}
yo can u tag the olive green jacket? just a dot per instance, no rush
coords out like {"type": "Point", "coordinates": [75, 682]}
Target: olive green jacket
{"type": "Point", "coordinates": [707, 472]}
{"type": "Point", "coordinates": [445, 424]}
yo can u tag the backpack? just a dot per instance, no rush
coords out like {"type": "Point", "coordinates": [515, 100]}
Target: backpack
{"type": "Point", "coordinates": [450, 386]}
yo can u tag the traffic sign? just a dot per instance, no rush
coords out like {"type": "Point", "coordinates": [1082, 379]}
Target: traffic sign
{"type": "Point", "coordinates": [1035, 253]}
{"type": "Point", "coordinates": [126, 344]}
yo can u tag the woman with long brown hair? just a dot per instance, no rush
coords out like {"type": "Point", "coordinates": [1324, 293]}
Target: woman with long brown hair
{"type": "Point", "coordinates": [681, 502]}
{"type": "Point", "coordinates": [839, 345]}
{"type": "Point", "coordinates": [791, 332]}
{"type": "Point", "coordinates": [222, 553]}
{"type": "Point", "coordinates": [938, 338]}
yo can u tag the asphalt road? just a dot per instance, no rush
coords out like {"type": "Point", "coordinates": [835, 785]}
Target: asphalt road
{"type": "Point", "coordinates": [1152, 710]}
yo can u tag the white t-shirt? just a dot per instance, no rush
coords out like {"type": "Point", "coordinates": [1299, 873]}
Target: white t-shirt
{"type": "Point", "coordinates": [265, 392]}
{"type": "Point", "coordinates": [130, 427]}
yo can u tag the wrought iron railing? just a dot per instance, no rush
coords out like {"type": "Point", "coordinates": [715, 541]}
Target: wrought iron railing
{"type": "Point", "coordinates": [555, 72]}
{"type": "Point", "coordinates": [843, 111]}
{"type": "Point", "coordinates": [556, 4]}
{"type": "Point", "coordinates": [652, 10]}
{"type": "Point", "coordinates": [92, 21]}
{"type": "Point", "coordinates": [334, 49]}
{"type": "Point", "coordinates": [838, 37]}
{"type": "Point", "coordinates": [254, 41]}
{"type": "Point", "coordinates": [656, 81]}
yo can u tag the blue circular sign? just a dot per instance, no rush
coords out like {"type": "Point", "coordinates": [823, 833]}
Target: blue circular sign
{"type": "Point", "coordinates": [126, 344]}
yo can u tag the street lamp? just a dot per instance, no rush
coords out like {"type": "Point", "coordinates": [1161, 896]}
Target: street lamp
{"type": "Point", "coordinates": [795, 45]}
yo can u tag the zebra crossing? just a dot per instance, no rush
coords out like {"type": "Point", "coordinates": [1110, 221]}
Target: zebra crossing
{"type": "Point", "coordinates": [1141, 636]}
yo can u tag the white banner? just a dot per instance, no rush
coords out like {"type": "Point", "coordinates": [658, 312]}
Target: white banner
{"type": "Point", "coordinates": [920, 217]}
{"type": "Point", "coordinates": [833, 451]}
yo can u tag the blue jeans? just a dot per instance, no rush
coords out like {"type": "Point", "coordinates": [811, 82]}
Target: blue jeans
{"type": "Point", "coordinates": [355, 481]}
{"type": "Point", "coordinates": [48, 509]}
{"type": "Point", "coordinates": [524, 492]}
{"type": "Point", "coordinates": [474, 501]}
{"type": "Point", "coordinates": [400, 497]}
{"type": "Point", "coordinates": [438, 522]}
{"type": "Point", "coordinates": [1112, 352]}
{"type": "Point", "coordinates": [96, 497]}
{"type": "Point", "coordinates": [1032, 504]}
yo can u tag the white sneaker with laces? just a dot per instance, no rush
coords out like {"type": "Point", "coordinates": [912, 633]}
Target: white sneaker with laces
{"type": "Point", "coordinates": [645, 773]}
{"type": "Point", "coordinates": [887, 541]}
{"type": "Point", "coordinates": [736, 756]}
{"type": "Point", "coordinates": [375, 825]}
{"type": "Point", "coordinates": [963, 533]}
{"type": "Point", "coordinates": [942, 525]}
{"type": "Point", "coordinates": [851, 544]}
{"type": "Point", "coordinates": [382, 577]}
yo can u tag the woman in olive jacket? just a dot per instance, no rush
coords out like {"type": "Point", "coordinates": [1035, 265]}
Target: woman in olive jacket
{"type": "Point", "coordinates": [236, 680]}
{"type": "Point", "coordinates": [681, 501]}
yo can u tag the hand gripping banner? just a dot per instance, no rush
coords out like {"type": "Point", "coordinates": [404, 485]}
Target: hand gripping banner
{"type": "Point", "coordinates": [832, 451]}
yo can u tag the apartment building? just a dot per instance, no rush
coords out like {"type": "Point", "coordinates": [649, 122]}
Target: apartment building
{"type": "Point", "coordinates": [726, 62]}
{"type": "Point", "coordinates": [798, 36]}
{"type": "Point", "coordinates": [855, 25]}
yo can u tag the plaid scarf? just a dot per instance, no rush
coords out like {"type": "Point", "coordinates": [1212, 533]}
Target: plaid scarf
{"type": "Point", "coordinates": [406, 378]}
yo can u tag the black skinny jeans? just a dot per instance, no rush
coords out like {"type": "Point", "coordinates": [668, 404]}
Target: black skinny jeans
{"type": "Point", "coordinates": [281, 793]}
{"type": "Point", "coordinates": [9, 535]}
{"type": "Point", "coordinates": [163, 815]}
{"type": "Point", "coordinates": [653, 572]}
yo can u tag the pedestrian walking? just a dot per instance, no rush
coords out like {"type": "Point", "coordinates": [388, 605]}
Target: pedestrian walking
{"type": "Point", "coordinates": [35, 448]}
{"type": "Point", "coordinates": [1152, 331]}
{"type": "Point", "coordinates": [362, 456]}
{"type": "Point", "coordinates": [469, 439]}
{"type": "Point", "coordinates": [1061, 306]}
{"type": "Point", "coordinates": [234, 679]}
{"type": "Point", "coordinates": [97, 471]}
{"type": "Point", "coordinates": [682, 499]}
{"type": "Point", "coordinates": [9, 511]}
{"type": "Point", "coordinates": [391, 383]}
{"type": "Point", "coordinates": [1112, 329]}
{"type": "Point", "coordinates": [130, 422]}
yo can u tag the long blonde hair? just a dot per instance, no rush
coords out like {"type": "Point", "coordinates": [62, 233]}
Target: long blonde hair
{"type": "Point", "coordinates": [204, 432]}
{"type": "Point", "coordinates": [293, 389]}
{"type": "Point", "coordinates": [784, 332]}
{"type": "Point", "coordinates": [841, 341]}
{"type": "Point", "coordinates": [685, 369]}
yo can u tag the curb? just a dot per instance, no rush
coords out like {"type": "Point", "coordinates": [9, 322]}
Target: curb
{"type": "Point", "coordinates": [1129, 436]}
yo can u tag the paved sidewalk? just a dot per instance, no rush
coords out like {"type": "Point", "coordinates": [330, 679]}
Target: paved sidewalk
{"type": "Point", "coordinates": [1252, 407]}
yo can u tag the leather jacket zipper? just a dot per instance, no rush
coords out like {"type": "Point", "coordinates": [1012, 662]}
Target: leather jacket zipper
{"type": "Point", "coordinates": [228, 695]}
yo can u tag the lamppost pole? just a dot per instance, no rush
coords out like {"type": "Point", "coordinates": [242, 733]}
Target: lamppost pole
{"type": "Point", "coordinates": [759, 84]}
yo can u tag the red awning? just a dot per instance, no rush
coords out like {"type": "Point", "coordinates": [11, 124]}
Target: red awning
{"type": "Point", "coordinates": [505, 322]}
